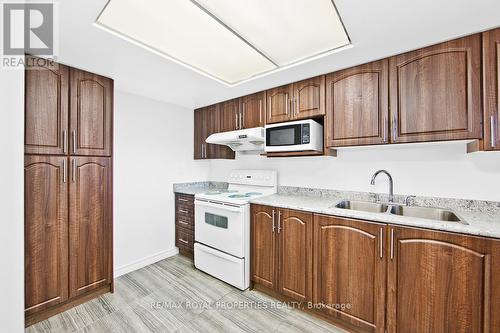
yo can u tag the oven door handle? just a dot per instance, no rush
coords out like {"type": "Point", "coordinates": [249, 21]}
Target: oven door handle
{"type": "Point", "coordinates": [202, 203]}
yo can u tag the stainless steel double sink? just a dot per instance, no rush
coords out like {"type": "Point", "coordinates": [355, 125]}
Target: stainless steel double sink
{"type": "Point", "coordinates": [436, 214]}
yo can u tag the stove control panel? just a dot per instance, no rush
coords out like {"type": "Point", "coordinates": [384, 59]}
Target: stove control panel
{"type": "Point", "coordinates": [254, 177]}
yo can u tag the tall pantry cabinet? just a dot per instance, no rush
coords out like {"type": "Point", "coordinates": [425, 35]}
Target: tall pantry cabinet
{"type": "Point", "coordinates": [68, 188]}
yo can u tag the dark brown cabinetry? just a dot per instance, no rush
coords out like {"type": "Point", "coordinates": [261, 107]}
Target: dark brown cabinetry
{"type": "Point", "coordinates": [435, 92]}
{"type": "Point", "coordinates": [491, 76]}
{"type": "Point", "coordinates": [184, 223]}
{"type": "Point", "coordinates": [350, 271]}
{"type": "Point", "coordinates": [442, 282]}
{"type": "Point", "coordinates": [282, 251]}
{"type": "Point", "coordinates": [230, 115]}
{"type": "Point", "coordinates": [304, 99]}
{"type": "Point", "coordinates": [253, 110]}
{"type": "Point", "coordinates": [357, 104]}
{"type": "Point", "coordinates": [207, 121]}
{"type": "Point", "coordinates": [46, 231]}
{"type": "Point", "coordinates": [68, 198]}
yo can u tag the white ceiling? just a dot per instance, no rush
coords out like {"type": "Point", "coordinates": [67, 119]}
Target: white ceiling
{"type": "Point", "coordinates": [377, 29]}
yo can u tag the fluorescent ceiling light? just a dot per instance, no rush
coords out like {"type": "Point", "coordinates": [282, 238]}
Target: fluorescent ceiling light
{"type": "Point", "coordinates": [228, 40]}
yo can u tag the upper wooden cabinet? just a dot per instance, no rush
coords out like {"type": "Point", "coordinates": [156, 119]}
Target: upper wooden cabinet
{"type": "Point", "coordinates": [304, 99]}
{"type": "Point", "coordinates": [46, 110]}
{"type": "Point", "coordinates": [230, 115]}
{"type": "Point", "coordinates": [91, 121]}
{"type": "Point", "coordinates": [442, 282]}
{"type": "Point", "coordinates": [435, 92]}
{"type": "Point", "coordinates": [357, 105]}
{"type": "Point", "coordinates": [253, 110]}
{"type": "Point", "coordinates": [206, 122]}
{"type": "Point", "coordinates": [491, 76]}
{"type": "Point", "coordinates": [350, 271]}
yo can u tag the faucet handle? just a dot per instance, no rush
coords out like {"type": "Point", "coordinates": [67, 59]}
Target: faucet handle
{"type": "Point", "coordinates": [408, 198]}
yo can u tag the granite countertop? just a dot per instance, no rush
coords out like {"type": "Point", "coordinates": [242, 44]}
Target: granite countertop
{"type": "Point", "coordinates": [480, 223]}
{"type": "Point", "coordinates": [193, 188]}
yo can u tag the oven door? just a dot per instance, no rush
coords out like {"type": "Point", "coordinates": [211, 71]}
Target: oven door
{"type": "Point", "coordinates": [221, 227]}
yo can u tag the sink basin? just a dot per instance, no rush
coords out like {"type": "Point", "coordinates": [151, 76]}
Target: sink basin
{"type": "Point", "coordinates": [365, 206]}
{"type": "Point", "coordinates": [437, 214]}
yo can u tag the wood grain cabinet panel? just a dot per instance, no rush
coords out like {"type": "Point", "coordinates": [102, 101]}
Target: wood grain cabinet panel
{"type": "Point", "coordinates": [91, 114]}
{"type": "Point", "coordinates": [350, 268]}
{"type": "Point", "coordinates": [264, 258]}
{"type": "Point", "coordinates": [229, 115]}
{"type": "Point", "coordinates": [253, 110]}
{"type": "Point", "coordinates": [90, 227]}
{"type": "Point", "coordinates": [442, 282]}
{"type": "Point", "coordinates": [295, 230]}
{"type": "Point", "coordinates": [279, 104]}
{"type": "Point", "coordinates": [435, 92]}
{"type": "Point", "coordinates": [46, 110]}
{"type": "Point", "coordinates": [46, 232]}
{"type": "Point", "coordinates": [309, 98]}
{"type": "Point", "coordinates": [200, 134]}
{"type": "Point", "coordinates": [491, 76]}
{"type": "Point", "coordinates": [357, 104]}
{"type": "Point", "coordinates": [207, 121]}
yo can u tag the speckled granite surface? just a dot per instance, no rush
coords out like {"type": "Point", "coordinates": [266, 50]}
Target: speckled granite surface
{"type": "Point", "coordinates": [483, 217]}
{"type": "Point", "coordinates": [198, 187]}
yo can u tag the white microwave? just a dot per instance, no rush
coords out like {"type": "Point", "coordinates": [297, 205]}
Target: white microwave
{"type": "Point", "coordinates": [300, 135]}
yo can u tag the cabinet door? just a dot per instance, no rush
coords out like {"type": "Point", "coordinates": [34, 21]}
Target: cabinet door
{"type": "Point", "coordinates": [309, 98]}
{"type": "Point", "coordinates": [491, 74]}
{"type": "Point", "coordinates": [264, 247]}
{"type": "Point", "coordinates": [46, 110]}
{"type": "Point", "coordinates": [279, 106]}
{"type": "Point", "coordinates": [90, 227]}
{"type": "Point", "coordinates": [46, 232]}
{"type": "Point", "coordinates": [358, 105]}
{"type": "Point", "coordinates": [350, 268]}
{"type": "Point", "coordinates": [253, 110]}
{"type": "Point", "coordinates": [435, 92]}
{"type": "Point", "coordinates": [295, 254]}
{"type": "Point", "coordinates": [212, 125]}
{"type": "Point", "coordinates": [229, 115]}
{"type": "Point", "coordinates": [91, 114]}
{"type": "Point", "coordinates": [199, 134]}
{"type": "Point", "coordinates": [441, 282]}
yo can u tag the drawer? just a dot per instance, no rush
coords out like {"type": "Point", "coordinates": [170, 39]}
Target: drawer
{"type": "Point", "coordinates": [184, 223]}
{"type": "Point", "coordinates": [184, 238]}
{"type": "Point", "coordinates": [184, 199]}
{"type": "Point", "coordinates": [186, 213]}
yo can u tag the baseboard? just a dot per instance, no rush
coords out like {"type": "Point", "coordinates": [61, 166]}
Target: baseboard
{"type": "Point", "coordinates": [135, 265]}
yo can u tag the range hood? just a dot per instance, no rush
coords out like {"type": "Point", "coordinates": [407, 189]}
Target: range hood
{"type": "Point", "coordinates": [241, 140]}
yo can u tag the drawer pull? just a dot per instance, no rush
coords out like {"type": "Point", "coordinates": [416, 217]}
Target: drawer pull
{"type": "Point", "coordinates": [183, 211]}
{"type": "Point", "coordinates": [183, 241]}
{"type": "Point", "coordinates": [184, 200]}
{"type": "Point", "coordinates": [182, 222]}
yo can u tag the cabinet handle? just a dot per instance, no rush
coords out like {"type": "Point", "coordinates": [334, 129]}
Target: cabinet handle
{"type": "Point", "coordinates": [183, 211]}
{"type": "Point", "coordinates": [236, 120]}
{"type": "Point", "coordinates": [493, 132]}
{"type": "Point", "coordinates": [65, 141]}
{"type": "Point", "coordinates": [287, 102]}
{"type": "Point", "coordinates": [73, 173]}
{"type": "Point", "coordinates": [65, 174]}
{"type": "Point", "coordinates": [274, 225]}
{"type": "Point", "coordinates": [183, 241]}
{"type": "Point", "coordinates": [260, 111]}
{"type": "Point", "coordinates": [182, 199]}
{"type": "Point", "coordinates": [381, 243]}
{"type": "Point", "coordinates": [182, 222]}
{"type": "Point", "coordinates": [73, 136]}
{"type": "Point", "coordinates": [394, 128]}
{"type": "Point", "coordinates": [295, 107]}
{"type": "Point", "coordinates": [384, 130]}
{"type": "Point", "coordinates": [242, 124]}
{"type": "Point", "coordinates": [279, 221]}
{"type": "Point", "coordinates": [392, 243]}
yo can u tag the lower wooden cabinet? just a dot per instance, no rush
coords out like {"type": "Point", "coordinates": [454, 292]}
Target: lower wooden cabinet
{"type": "Point", "coordinates": [281, 246]}
{"type": "Point", "coordinates": [184, 224]}
{"type": "Point", "coordinates": [350, 271]}
{"type": "Point", "coordinates": [371, 277]}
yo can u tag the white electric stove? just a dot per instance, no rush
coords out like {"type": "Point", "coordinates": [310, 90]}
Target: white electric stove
{"type": "Point", "coordinates": [222, 225]}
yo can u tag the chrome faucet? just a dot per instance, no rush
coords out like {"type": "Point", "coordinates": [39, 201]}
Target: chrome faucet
{"type": "Point", "coordinates": [391, 184]}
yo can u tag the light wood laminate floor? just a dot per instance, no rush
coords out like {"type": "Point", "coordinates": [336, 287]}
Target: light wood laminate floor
{"type": "Point", "coordinates": [172, 296]}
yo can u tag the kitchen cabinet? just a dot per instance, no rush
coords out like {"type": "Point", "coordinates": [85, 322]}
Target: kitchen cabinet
{"type": "Point", "coordinates": [300, 100]}
{"type": "Point", "coordinates": [491, 76]}
{"type": "Point", "coordinates": [90, 227]}
{"type": "Point", "coordinates": [230, 115]}
{"type": "Point", "coordinates": [184, 224]}
{"type": "Point", "coordinates": [350, 271]}
{"type": "Point", "coordinates": [207, 122]}
{"type": "Point", "coordinates": [253, 110]}
{"type": "Point", "coordinates": [435, 92]}
{"type": "Point", "coordinates": [357, 104]}
{"type": "Point", "coordinates": [46, 232]}
{"type": "Point", "coordinates": [442, 282]}
{"type": "Point", "coordinates": [46, 110]}
{"type": "Point", "coordinates": [91, 109]}
{"type": "Point", "coordinates": [281, 251]}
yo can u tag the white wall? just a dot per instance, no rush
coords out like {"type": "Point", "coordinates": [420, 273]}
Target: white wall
{"type": "Point", "coordinates": [153, 149]}
{"type": "Point", "coordinates": [442, 170]}
{"type": "Point", "coordinates": [12, 200]}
